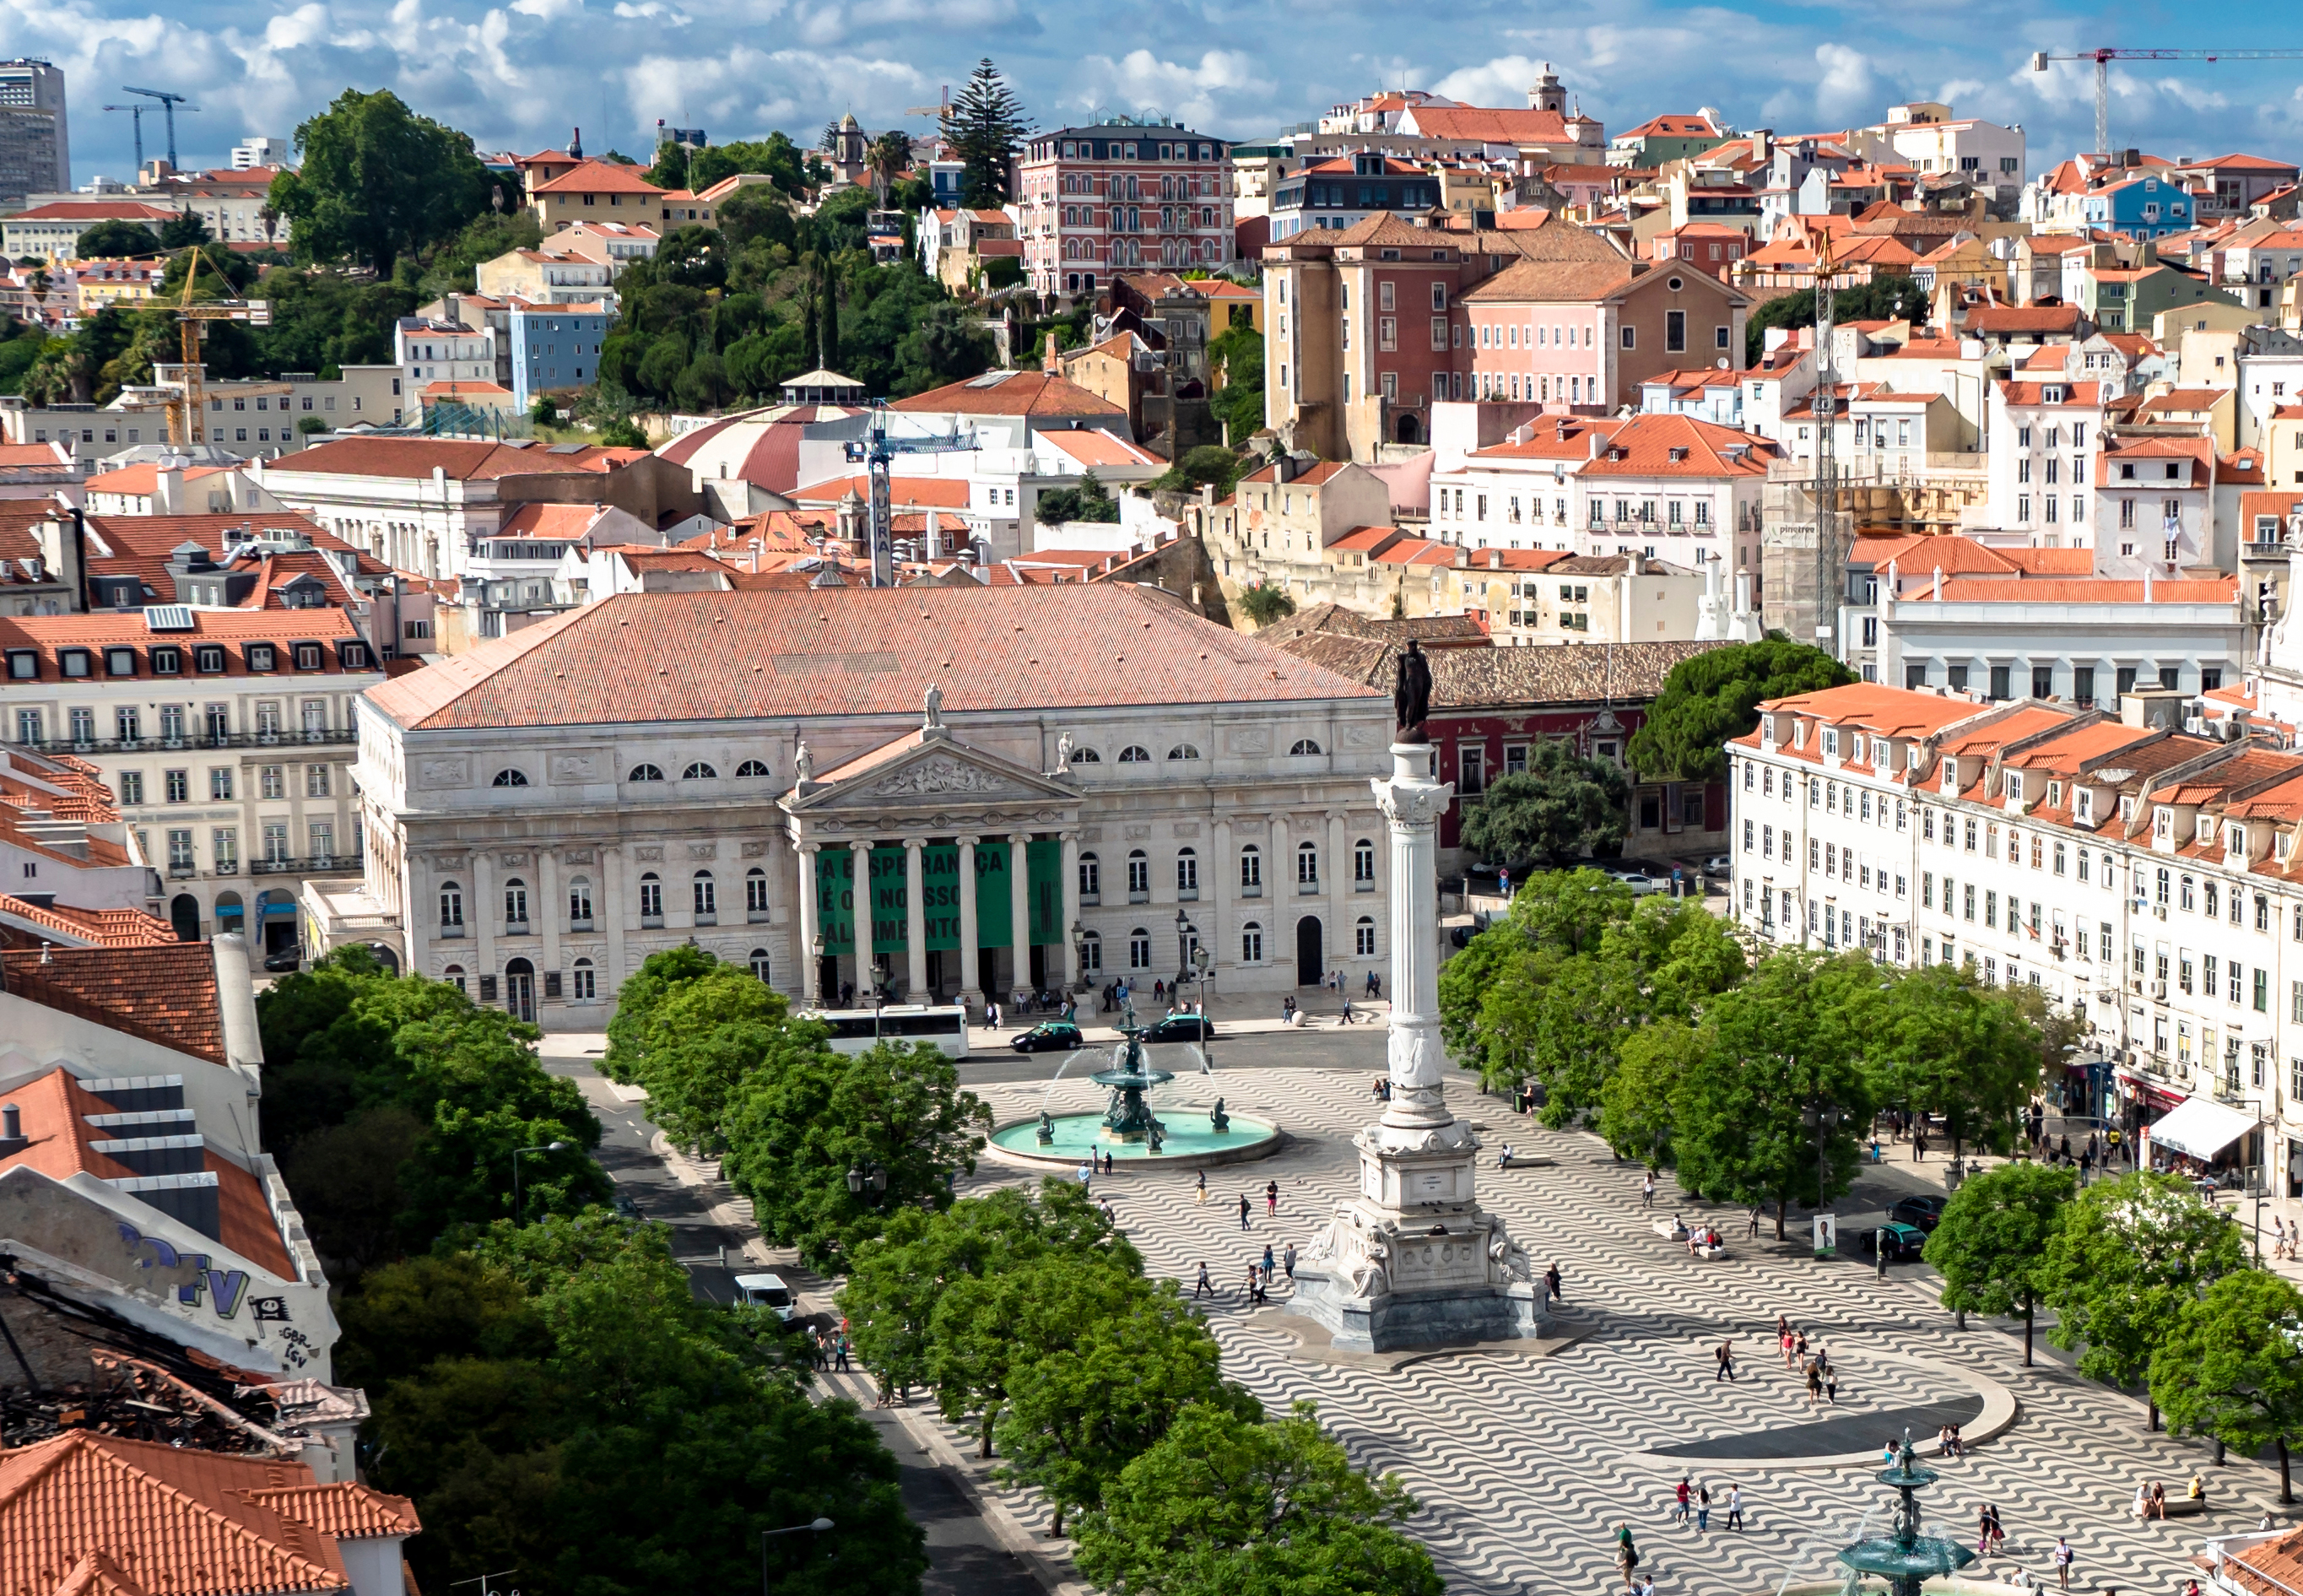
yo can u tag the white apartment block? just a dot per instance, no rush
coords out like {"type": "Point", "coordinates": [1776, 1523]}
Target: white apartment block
{"type": "Point", "coordinates": [2143, 877]}
{"type": "Point", "coordinates": [2043, 439]}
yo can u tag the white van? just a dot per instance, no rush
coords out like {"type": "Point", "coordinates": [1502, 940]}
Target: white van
{"type": "Point", "coordinates": [767, 1291]}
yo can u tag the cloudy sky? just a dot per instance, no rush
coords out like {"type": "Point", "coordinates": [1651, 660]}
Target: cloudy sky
{"type": "Point", "coordinates": [519, 74]}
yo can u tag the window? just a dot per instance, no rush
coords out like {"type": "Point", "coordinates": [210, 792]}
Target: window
{"type": "Point", "coordinates": [225, 843]}
{"type": "Point", "coordinates": [751, 767]}
{"type": "Point", "coordinates": [1251, 871]}
{"type": "Point", "coordinates": [1188, 873]}
{"type": "Point", "coordinates": [1132, 754]}
{"type": "Point", "coordinates": [315, 780]}
{"type": "Point", "coordinates": [132, 787]}
{"type": "Point", "coordinates": [452, 909]}
{"type": "Point", "coordinates": [759, 962]}
{"type": "Point", "coordinates": [1091, 952]}
{"type": "Point", "coordinates": [1139, 948]}
{"type": "Point", "coordinates": [515, 905]}
{"type": "Point", "coordinates": [651, 900]}
{"type": "Point", "coordinates": [510, 778]}
{"type": "Point", "coordinates": [180, 853]}
{"type": "Point", "coordinates": [272, 781]}
{"type": "Point", "coordinates": [1307, 867]}
{"type": "Point", "coordinates": [584, 981]}
{"type": "Point", "coordinates": [1086, 756]}
{"type": "Point", "coordinates": [2262, 990]}
{"type": "Point", "coordinates": [1183, 751]}
{"type": "Point", "coordinates": [454, 976]}
{"type": "Point", "coordinates": [699, 771]}
{"type": "Point", "coordinates": [644, 772]}
{"type": "Point", "coordinates": [1251, 947]}
{"type": "Point", "coordinates": [705, 893]}
{"type": "Point", "coordinates": [1139, 877]}
{"type": "Point", "coordinates": [178, 785]}
{"type": "Point", "coordinates": [220, 784]}
{"type": "Point", "coordinates": [579, 903]}
{"type": "Point", "coordinates": [756, 895]}
{"type": "Point", "coordinates": [1304, 748]}
{"type": "Point", "coordinates": [1090, 879]}
{"type": "Point", "coordinates": [1674, 332]}
{"type": "Point", "coordinates": [1363, 937]}
{"type": "Point", "coordinates": [1364, 865]}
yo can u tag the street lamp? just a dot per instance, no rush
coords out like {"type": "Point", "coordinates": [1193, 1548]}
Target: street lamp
{"type": "Point", "coordinates": [1079, 954]}
{"type": "Point", "coordinates": [872, 1174]}
{"type": "Point", "coordinates": [518, 1211]}
{"type": "Point", "coordinates": [815, 978]}
{"type": "Point", "coordinates": [879, 996]}
{"type": "Point", "coordinates": [815, 1526]}
{"type": "Point", "coordinates": [1822, 1121]}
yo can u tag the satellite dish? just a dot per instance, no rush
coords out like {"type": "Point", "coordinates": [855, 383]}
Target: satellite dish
{"type": "Point", "coordinates": [1721, 363]}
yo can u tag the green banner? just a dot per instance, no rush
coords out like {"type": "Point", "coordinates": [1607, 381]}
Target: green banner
{"type": "Point", "coordinates": [835, 900]}
{"type": "Point", "coordinates": [1045, 862]}
{"type": "Point", "coordinates": [940, 892]}
{"type": "Point", "coordinates": [887, 901]}
{"type": "Point", "coordinates": [992, 915]}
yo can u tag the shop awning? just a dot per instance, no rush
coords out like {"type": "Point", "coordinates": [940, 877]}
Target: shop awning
{"type": "Point", "coordinates": [2201, 1128]}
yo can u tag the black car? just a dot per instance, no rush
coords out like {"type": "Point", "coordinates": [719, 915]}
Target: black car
{"type": "Point", "coordinates": [287, 961]}
{"type": "Point", "coordinates": [1923, 1212]}
{"type": "Point", "coordinates": [1049, 1036]}
{"type": "Point", "coordinates": [1904, 1243]}
{"type": "Point", "coordinates": [1181, 1027]}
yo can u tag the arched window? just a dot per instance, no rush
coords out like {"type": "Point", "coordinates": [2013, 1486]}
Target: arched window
{"type": "Point", "coordinates": [515, 904]}
{"type": "Point", "coordinates": [452, 909]}
{"type": "Point", "coordinates": [454, 976]}
{"type": "Point", "coordinates": [752, 767]}
{"type": "Point", "coordinates": [1090, 879]}
{"type": "Point", "coordinates": [707, 899]}
{"type": "Point", "coordinates": [699, 771]}
{"type": "Point", "coordinates": [760, 964]}
{"type": "Point", "coordinates": [1183, 751]}
{"type": "Point", "coordinates": [579, 903]}
{"type": "Point", "coordinates": [584, 978]}
{"type": "Point", "coordinates": [1363, 937]}
{"type": "Point", "coordinates": [1086, 756]}
{"type": "Point", "coordinates": [512, 779]}
{"type": "Point", "coordinates": [1134, 755]}
{"type": "Point", "coordinates": [1251, 871]}
{"type": "Point", "coordinates": [756, 893]}
{"type": "Point", "coordinates": [1364, 865]}
{"type": "Point", "coordinates": [1139, 877]}
{"type": "Point", "coordinates": [1307, 865]}
{"type": "Point", "coordinates": [1303, 746]}
{"type": "Point", "coordinates": [651, 900]}
{"type": "Point", "coordinates": [1188, 872]}
{"type": "Point", "coordinates": [1090, 953]}
{"type": "Point", "coordinates": [644, 772]}
{"type": "Point", "coordinates": [1250, 943]}
{"type": "Point", "coordinates": [1139, 948]}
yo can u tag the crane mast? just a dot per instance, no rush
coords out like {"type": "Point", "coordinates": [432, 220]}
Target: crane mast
{"type": "Point", "coordinates": [876, 451]}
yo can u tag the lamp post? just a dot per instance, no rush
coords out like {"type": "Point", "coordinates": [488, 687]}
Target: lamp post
{"type": "Point", "coordinates": [1822, 1121]}
{"type": "Point", "coordinates": [1185, 932]}
{"type": "Point", "coordinates": [879, 996]}
{"type": "Point", "coordinates": [870, 1173]}
{"type": "Point", "coordinates": [815, 971]}
{"type": "Point", "coordinates": [1079, 954]}
{"type": "Point", "coordinates": [816, 1526]}
{"type": "Point", "coordinates": [519, 1210]}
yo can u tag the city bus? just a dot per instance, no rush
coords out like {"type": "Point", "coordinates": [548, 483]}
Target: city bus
{"type": "Point", "coordinates": [858, 1030]}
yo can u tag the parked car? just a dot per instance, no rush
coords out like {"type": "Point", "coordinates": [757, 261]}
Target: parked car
{"type": "Point", "coordinates": [287, 961]}
{"type": "Point", "coordinates": [1640, 882]}
{"type": "Point", "coordinates": [1181, 1027]}
{"type": "Point", "coordinates": [1924, 1213]}
{"type": "Point", "coordinates": [767, 1291]}
{"type": "Point", "coordinates": [1902, 1242]}
{"type": "Point", "coordinates": [1049, 1036]}
{"type": "Point", "coordinates": [628, 1206]}
{"type": "Point", "coordinates": [1719, 864]}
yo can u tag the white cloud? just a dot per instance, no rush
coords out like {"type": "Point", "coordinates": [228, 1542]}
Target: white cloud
{"type": "Point", "coordinates": [653, 11]}
{"type": "Point", "coordinates": [1221, 83]}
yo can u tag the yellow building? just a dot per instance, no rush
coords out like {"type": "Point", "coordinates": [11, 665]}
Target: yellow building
{"type": "Point", "coordinates": [101, 283]}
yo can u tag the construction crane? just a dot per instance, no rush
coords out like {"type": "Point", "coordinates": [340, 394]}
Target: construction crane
{"type": "Point", "coordinates": [874, 451]}
{"type": "Point", "coordinates": [942, 114]}
{"type": "Point", "coordinates": [135, 118]}
{"type": "Point", "coordinates": [168, 103]}
{"type": "Point", "coordinates": [186, 411]}
{"type": "Point", "coordinates": [2102, 58]}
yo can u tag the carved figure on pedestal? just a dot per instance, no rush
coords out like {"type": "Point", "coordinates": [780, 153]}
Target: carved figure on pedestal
{"type": "Point", "coordinates": [934, 708]}
{"type": "Point", "coordinates": [1218, 1119]}
{"type": "Point", "coordinates": [1410, 695]}
{"type": "Point", "coordinates": [804, 762]}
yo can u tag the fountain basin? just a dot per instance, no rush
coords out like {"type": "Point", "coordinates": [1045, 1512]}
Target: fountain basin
{"type": "Point", "coordinates": [1190, 1142]}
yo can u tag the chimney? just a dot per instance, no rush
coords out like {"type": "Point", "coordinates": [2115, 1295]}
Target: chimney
{"type": "Point", "coordinates": [1596, 444]}
{"type": "Point", "coordinates": [1050, 360]}
{"type": "Point", "coordinates": [1939, 593]}
{"type": "Point", "coordinates": [12, 1128]}
{"type": "Point", "coordinates": [1495, 559]}
{"type": "Point", "coordinates": [576, 144]}
{"type": "Point", "coordinates": [168, 486]}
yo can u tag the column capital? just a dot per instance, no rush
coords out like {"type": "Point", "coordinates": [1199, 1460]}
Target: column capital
{"type": "Point", "coordinates": [1072, 835]}
{"type": "Point", "coordinates": [916, 843]}
{"type": "Point", "coordinates": [965, 840]}
{"type": "Point", "coordinates": [861, 846]}
{"type": "Point", "coordinates": [807, 847]}
{"type": "Point", "coordinates": [1019, 838]}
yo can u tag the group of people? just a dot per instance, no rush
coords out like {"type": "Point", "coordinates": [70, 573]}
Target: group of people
{"type": "Point", "coordinates": [1690, 1504]}
{"type": "Point", "coordinates": [1949, 1443]}
{"type": "Point", "coordinates": [1990, 1534]}
{"type": "Point", "coordinates": [829, 1349]}
{"type": "Point", "coordinates": [1260, 1274]}
{"type": "Point", "coordinates": [2283, 1240]}
{"type": "Point", "coordinates": [2151, 1497]}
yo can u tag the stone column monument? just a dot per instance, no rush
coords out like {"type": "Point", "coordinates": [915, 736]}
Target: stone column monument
{"type": "Point", "coordinates": [1412, 1261]}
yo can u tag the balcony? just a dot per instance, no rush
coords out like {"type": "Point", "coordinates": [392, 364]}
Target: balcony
{"type": "Point", "coordinates": [181, 870]}
{"type": "Point", "coordinates": [650, 921]}
{"type": "Point", "coordinates": [1091, 897]}
{"type": "Point", "coordinates": [1307, 888]}
{"type": "Point", "coordinates": [274, 867]}
{"type": "Point", "coordinates": [1251, 889]}
{"type": "Point", "coordinates": [238, 739]}
{"type": "Point", "coordinates": [707, 917]}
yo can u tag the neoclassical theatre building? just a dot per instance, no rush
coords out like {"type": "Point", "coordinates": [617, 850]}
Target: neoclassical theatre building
{"type": "Point", "coordinates": [998, 787]}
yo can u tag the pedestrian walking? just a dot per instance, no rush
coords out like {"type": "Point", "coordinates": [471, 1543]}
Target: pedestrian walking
{"type": "Point", "coordinates": [1242, 1210]}
{"type": "Point", "coordinates": [1703, 1508]}
{"type": "Point", "coordinates": [1998, 1531]}
{"type": "Point", "coordinates": [1206, 1288]}
{"type": "Point", "coordinates": [1734, 1506]}
{"type": "Point", "coordinates": [1200, 1191]}
{"type": "Point", "coordinates": [1752, 1233]}
{"type": "Point", "coordinates": [1647, 1191]}
{"type": "Point", "coordinates": [1374, 987]}
{"type": "Point", "coordinates": [1831, 1382]}
{"type": "Point", "coordinates": [1269, 1265]}
{"type": "Point", "coordinates": [1551, 1284]}
{"type": "Point", "coordinates": [1983, 1530]}
{"type": "Point", "coordinates": [1814, 1387]}
{"type": "Point", "coordinates": [1087, 1172]}
{"type": "Point", "coordinates": [839, 1350]}
{"type": "Point", "coordinates": [1627, 1556]}
{"type": "Point", "coordinates": [1271, 1199]}
{"type": "Point", "coordinates": [1682, 1499]}
{"type": "Point", "coordinates": [2064, 1556]}
{"type": "Point", "coordinates": [1727, 1356]}
{"type": "Point", "coordinates": [1287, 1261]}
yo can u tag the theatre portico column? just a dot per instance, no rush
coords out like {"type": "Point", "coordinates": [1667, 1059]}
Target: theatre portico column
{"type": "Point", "coordinates": [811, 967]}
{"type": "Point", "coordinates": [915, 922]}
{"type": "Point", "coordinates": [1020, 908]}
{"type": "Point", "coordinates": [859, 893]}
{"type": "Point", "coordinates": [971, 995]}
{"type": "Point", "coordinates": [1068, 890]}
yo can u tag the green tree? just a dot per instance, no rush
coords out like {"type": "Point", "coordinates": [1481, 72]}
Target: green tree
{"type": "Point", "coordinates": [1209, 464]}
{"type": "Point", "coordinates": [984, 127]}
{"type": "Point", "coordinates": [759, 214]}
{"type": "Point", "coordinates": [1238, 401]}
{"type": "Point", "coordinates": [775, 157]}
{"type": "Point", "coordinates": [1077, 1416]}
{"type": "Point", "coordinates": [377, 182]}
{"type": "Point", "coordinates": [1773, 1109]}
{"type": "Point", "coordinates": [1885, 299]}
{"type": "Point", "coordinates": [946, 344]}
{"type": "Point", "coordinates": [1564, 805]}
{"type": "Point", "coordinates": [1222, 1505]}
{"type": "Point", "coordinates": [1940, 1042]}
{"type": "Point", "coordinates": [1635, 1101]}
{"type": "Point", "coordinates": [984, 1325]}
{"type": "Point", "coordinates": [1991, 1247]}
{"type": "Point", "coordinates": [1715, 695]}
{"type": "Point", "coordinates": [2129, 1256]}
{"type": "Point", "coordinates": [114, 240]}
{"type": "Point", "coordinates": [1089, 502]}
{"type": "Point", "coordinates": [183, 230]}
{"type": "Point", "coordinates": [1263, 602]}
{"type": "Point", "coordinates": [808, 1116]}
{"type": "Point", "coordinates": [2231, 1366]}
{"type": "Point", "coordinates": [888, 158]}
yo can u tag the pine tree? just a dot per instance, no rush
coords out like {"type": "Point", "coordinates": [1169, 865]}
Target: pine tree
{"type": "Point", "coordinates": [827, 322]}
{"type": "Point", "coordinates": [985, 125]}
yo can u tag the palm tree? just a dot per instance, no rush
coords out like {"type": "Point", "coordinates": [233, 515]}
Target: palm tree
{"type": "Point", "coordinates": [888, 158]}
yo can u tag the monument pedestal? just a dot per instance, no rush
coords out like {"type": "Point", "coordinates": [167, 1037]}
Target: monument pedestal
{"type": "Point", "coordinates": [1413, 1260]}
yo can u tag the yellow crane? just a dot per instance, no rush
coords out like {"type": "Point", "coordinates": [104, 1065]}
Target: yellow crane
{"type": "Point", "coordinates": [187, 412]}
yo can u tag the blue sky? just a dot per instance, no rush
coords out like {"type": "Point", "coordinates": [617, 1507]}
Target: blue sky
{"type": "Point", "coordinates": [518, 73]}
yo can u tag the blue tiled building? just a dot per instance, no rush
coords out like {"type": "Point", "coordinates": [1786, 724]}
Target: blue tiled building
{"type": "Point", "coordinates": [555, 347]}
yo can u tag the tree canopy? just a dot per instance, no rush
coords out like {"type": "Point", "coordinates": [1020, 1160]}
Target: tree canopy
{"type": "Point", "coordinates": [114, 240]}
{"type": "Point", "coordinates": [2231, 1366]}
{"type": "Point", "coordinates": [1991, 1245]}
{"type": "Point", "coordinates": [1715, 696]}
{"type": "Point", "coordinates": [984, 126]}
{"type": "Point", "coordinates": [377, 182]}
{"type": "Point", "coordinates": [1564, 806]}
{"type": "Point", "coordinates": [1886, 298]}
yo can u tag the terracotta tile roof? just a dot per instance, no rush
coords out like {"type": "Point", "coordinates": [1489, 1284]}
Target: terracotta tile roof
{"type": "Point", "coordinates": [2030, 394]}
{"type": "Point", "coordinates": [144, 478]}
{"type": "Point", "coordinates": [464, 461]}
{"type": "Point", "coordinates": [943, 492]}
{"type": "Point", "coordinates": [856, 651]}
{"type": "Point", "coordinates": [98, 927]}
{"type": "Point", "coordinates": [1647, 441]}
{"type": "Point", "coordinates": [1093, 447]}
{"type": "Point", "coordinates": [165, 993]}
{"type": "Point", "coordinates": [90, 1512]}
{"type": "Point", "coordinates": [599, 177]}
{"type": "Point", "coordinates": [1547, 673]}
{"type": "Point", "coordinates": [1487, 126]}
{"type": "Point", "coordinates": [552, 523]}
{"type": "Point", "coordinates": [1671, 126]}
{"type": "Point", "coordinates": [346, 1509]}
{"type": "Point", "coordinates": [2023, 319]}
{"type": "Point", "coordinates": [95, 210]}
{"type": "Point", "coordinates": [1895, 712]}
{"type": "Point", "coordinates": [1554, 282]}
{"type": "Point", "coordinates": [1310, 475]}
{"type": "Point", "coordinates": [236, 630]}
{"type": "Point", "coordinates": [1024, 393]}
{"type": "Point", "coordinates": [2087, 590]}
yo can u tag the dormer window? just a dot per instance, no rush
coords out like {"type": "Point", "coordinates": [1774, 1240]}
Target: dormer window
{"type": "Point", "coordinates": [263, 656]}
{"type": "Point", "coordinates": [2083, 807]}
{"type": "Point", "coordinates": [2235, 841]}
{"type": "Point", "coordinates": [1950, 776]}
{"type": "Point", "coordinates": [2127, 808]}
{"type": "Point", "coordinates": [2054, 794]}
{"type": "Point", "coordinates": [208, 659]}
{"type": "Point", "coordinates": [23, 664]}
{"type": "Point", "coordinates": [1831, 740]}
{"type": "Point", "coordinates": [2164, 825]}
{"type": "Point", "coordinates": [1798, 727]}
{"type": "Point", "coordinates": [2015, 785]}
{"type": "Point", "coordinates": [167, 661]}
{"type": "Point", "coordinates": [120, 662]}
{"type": "Point", "coordinates": [1861, 745]}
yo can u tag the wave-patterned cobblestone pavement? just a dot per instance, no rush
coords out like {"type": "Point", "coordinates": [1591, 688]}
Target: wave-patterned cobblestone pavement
{"type": "Point", "coordinates": [1524, 1466]}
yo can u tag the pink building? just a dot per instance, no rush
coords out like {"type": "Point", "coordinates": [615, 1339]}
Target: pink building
{"type": "Point", "coordinates": [1120, 196]}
